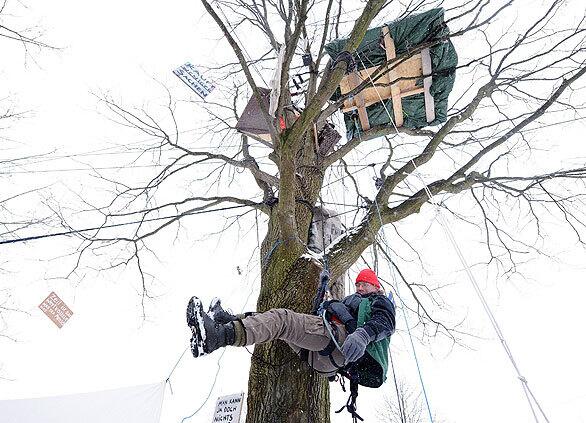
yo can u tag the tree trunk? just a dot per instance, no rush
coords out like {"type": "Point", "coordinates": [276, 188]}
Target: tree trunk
{"type": "Point", "coordinates": [282, 388]}
{"type": "Point", "coordinates": [285, 393]}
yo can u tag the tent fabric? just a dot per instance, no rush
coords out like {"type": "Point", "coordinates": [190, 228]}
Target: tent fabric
{"type": "Point", "coordinates": [407, 33]}
{"type": "Point", "coordinates": [139, 404]}
{"type": "Point", "coordinates": [252, 121]}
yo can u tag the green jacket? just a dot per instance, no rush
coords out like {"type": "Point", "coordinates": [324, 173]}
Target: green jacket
{"type": "Point", "coordinates": [372, 367]}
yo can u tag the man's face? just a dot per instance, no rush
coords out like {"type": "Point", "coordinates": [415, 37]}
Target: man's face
{"type": "Point", "coordinates": [364, 288]}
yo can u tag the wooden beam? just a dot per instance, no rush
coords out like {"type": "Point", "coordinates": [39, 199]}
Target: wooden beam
{"type": "Point", "coordinates": [411, 92]}
{"type": "Point", "coordinates": [359, 102]}
{"type": "Point", "coordinates": [370, 100]}
{"type": "Point", "coordinates": [429, 101]}
{"type": "Point", "coordinates": [393, 76]}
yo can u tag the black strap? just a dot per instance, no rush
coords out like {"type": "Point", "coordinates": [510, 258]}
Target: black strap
{"type": "Point", "coordinates": [324, 279]}
{"type": "Point", "coordinates": [336, 365]}
{"type": "Point", "coordinates": [351, 403]}
{"type": "Point", "coordinates": [345, 56]}
{"type": "Point", "coordinates": [329, 349]}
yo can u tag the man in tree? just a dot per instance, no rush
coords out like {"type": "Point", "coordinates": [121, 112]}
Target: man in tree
{"type": "Point", "coordinates": [338, 338]}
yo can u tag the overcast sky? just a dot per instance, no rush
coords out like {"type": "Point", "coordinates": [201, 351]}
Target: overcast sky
{"type": "Point", "coordinates": [125, 48]}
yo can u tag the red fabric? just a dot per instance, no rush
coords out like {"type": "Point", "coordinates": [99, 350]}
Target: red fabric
{"type": "Point", "coordinates": [368, 276]}
{"type": "Point", "coordinates": [335, 319]}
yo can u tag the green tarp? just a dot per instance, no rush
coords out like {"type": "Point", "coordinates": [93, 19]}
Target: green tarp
{"type": "Point", "coordinates": [407, 33]}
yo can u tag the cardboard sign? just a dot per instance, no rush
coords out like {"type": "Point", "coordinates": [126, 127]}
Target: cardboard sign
{"type": "Point", "coordinates": [194, 80]}
{"type": "Point", "coordinates": [56, 310]}
{"type": "Point", "coordinates": [228, 408]}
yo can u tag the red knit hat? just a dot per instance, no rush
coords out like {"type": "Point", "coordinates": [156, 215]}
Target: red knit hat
{"type": "Point", "coordinates": [368, 276]}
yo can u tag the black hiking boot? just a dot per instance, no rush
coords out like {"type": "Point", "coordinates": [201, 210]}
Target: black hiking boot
{"type": "Point", "coordinates": [220, 315]}
{"type": "Point", "coordinates": [207, 335]}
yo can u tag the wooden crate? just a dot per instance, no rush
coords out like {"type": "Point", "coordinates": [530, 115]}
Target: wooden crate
{"type": "Point", "coordinates": [398, 82]}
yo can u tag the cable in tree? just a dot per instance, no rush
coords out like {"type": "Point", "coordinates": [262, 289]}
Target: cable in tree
{"type": "Point", "coordinates": [114, 225]}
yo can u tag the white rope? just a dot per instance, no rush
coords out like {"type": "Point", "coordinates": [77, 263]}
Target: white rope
{"type": "Point", "coordinates": [528, 393]}
{"type": "Point", "coordinates": [489, 313]}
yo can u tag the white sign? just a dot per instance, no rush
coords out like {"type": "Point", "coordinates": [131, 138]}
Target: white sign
{"type": "Point", "coordinates": [56, 310]}
{"type": "Point", "coordinates": [228, 408]}
{"type": "Point", "coordinates": [194, 79]}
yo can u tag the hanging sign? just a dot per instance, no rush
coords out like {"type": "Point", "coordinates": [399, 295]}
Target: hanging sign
{"type": "Point", "coordinates": [194, 79]}
{"type": "Point", "coordinates": [228, 408]}
{"type": "Point", "coordinates": [56, 310]}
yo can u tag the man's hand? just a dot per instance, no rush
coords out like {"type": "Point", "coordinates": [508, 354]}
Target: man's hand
{"type": "Point", "coordinates": [355, 345]}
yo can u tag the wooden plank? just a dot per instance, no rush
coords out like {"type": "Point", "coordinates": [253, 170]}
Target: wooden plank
{"type": "Point", "coordinates": [414, 91]}
{"type": "Point", "coordinates": [369, 94]}
{"type": "Point", "coordinates": [348, 83]}
{"type": "Point", "coordinates": [410, 72]}
{"type": "Point", "coordinates": [409, 69]}
{"type": "Point", "coordinates": [372, 95]}
{"type": "Point", "coordinates": [359, 102]}
{"type": "Point", "coordinates": [363, 116]}
{"type": "Point", "coordinates": [389, 44]}
{"type": "Point", "coordinates": [393, 76]}
{"type": "Point", "coordinates": [429, 101]}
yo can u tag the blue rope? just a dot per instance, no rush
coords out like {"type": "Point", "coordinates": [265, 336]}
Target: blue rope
{"type": "Point", "coordinates": [417, 363]}
{"type": "Point", "coordinates": [405, 318]}
{"type": "Point", "coordinates": [401, 412]}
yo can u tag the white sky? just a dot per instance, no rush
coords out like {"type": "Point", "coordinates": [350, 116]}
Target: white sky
{"type": "Point", "coordinates": [118, 47]}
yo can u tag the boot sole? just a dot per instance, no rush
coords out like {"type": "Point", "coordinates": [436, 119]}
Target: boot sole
{"type": "Point", "coordinates": [194, 315]}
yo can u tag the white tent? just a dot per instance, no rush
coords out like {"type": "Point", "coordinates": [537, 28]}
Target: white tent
{"type": "Point", "coordinates": [138, 404]}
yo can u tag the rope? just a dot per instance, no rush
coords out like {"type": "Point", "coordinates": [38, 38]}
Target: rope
{"type": "Point", "coordinates": [211, 389]}
{"type": "Point", "coordinates": [528, 393]}
{"type": "Point", "coordinates": [401, 411]}
{"type": "Point", "coordinates": [115, 225]}
{"type": "Point", "coordinates": [405, 318]}
{"type": "Point", "coordinates": [266, 258]}
{"type": "Point", "coordinates": [402, 306]}
{"type": "Point", "coordinates": [401, 300]}
{"type": "Point", "coordinates": [241, 46]}
{"type": "Point", "coordinates": [168, 380]}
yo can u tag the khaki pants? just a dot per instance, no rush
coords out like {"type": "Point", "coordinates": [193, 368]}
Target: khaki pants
{"type": "Point", "coordinates": [300, 331]}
